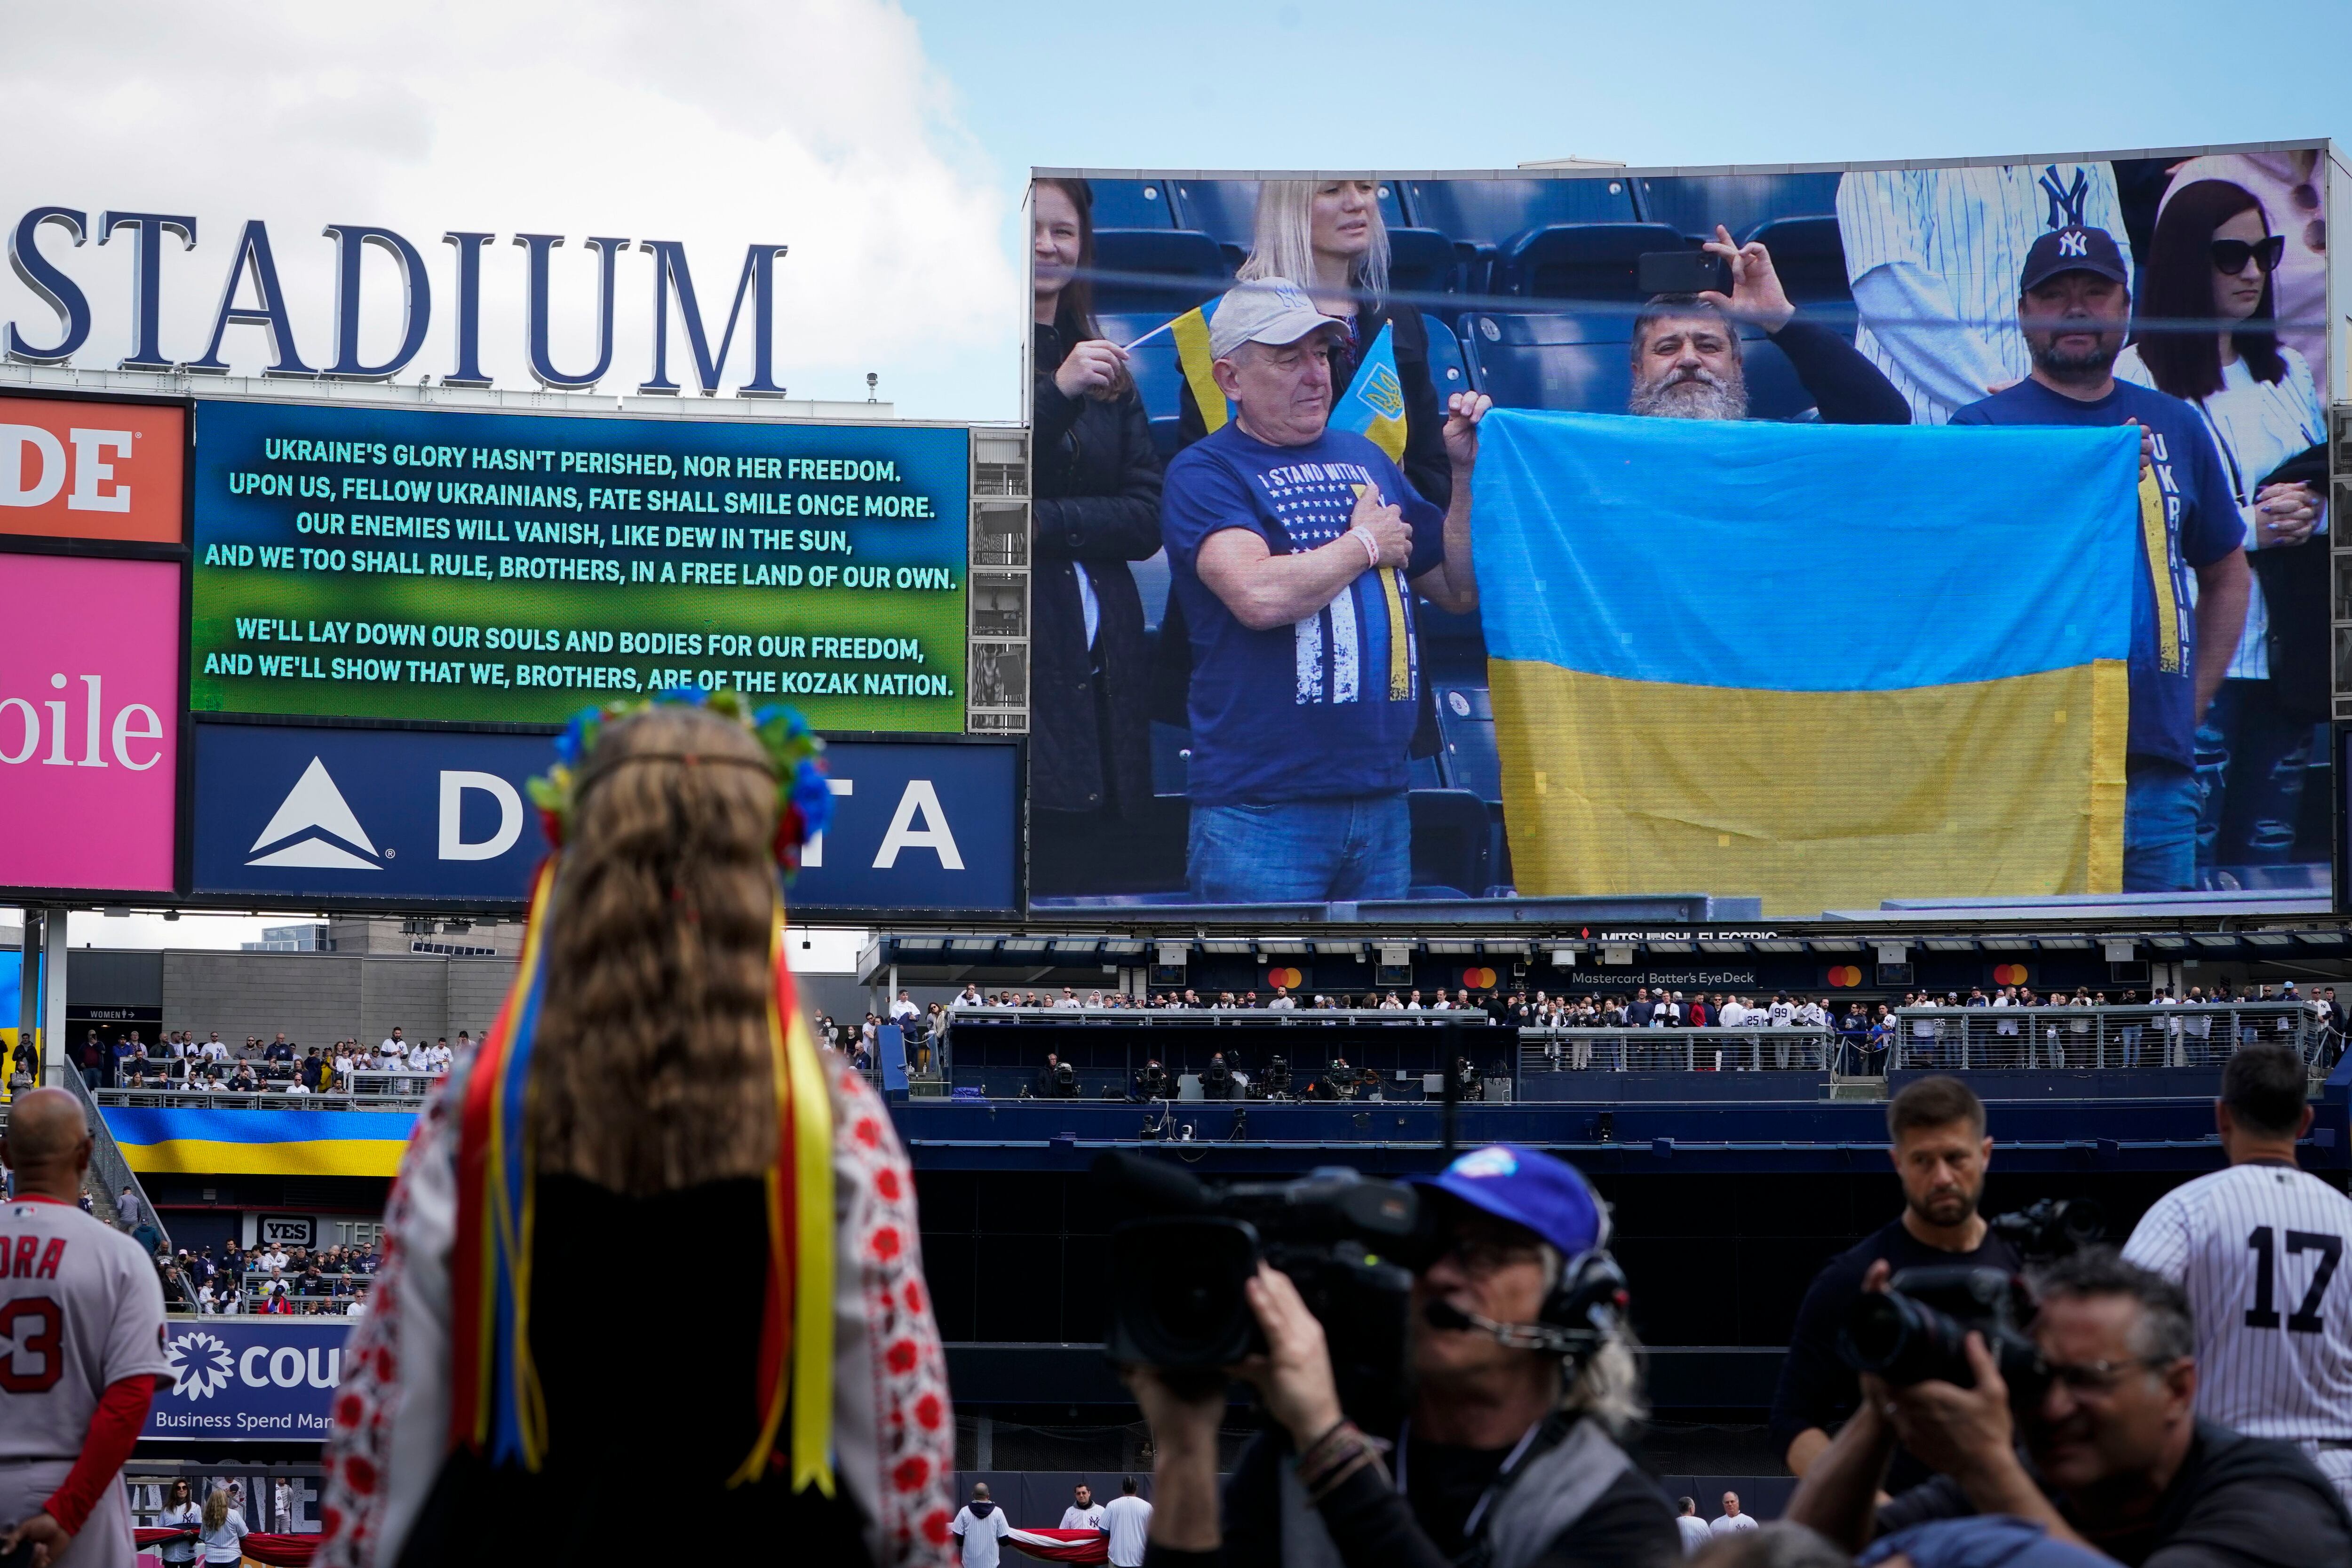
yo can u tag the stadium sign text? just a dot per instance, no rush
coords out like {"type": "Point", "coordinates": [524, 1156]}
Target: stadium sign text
{"type": "Point", "coordinates": [251, 295]}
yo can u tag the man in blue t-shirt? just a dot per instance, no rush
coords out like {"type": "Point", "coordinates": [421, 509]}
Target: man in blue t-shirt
{"type": "Point", "coordinates": [2073, 306]}
{"type": "Point", "coordinates": [1295, 552]}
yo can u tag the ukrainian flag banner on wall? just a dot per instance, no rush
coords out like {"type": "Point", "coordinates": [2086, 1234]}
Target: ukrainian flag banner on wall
{"type": "Point", "coordinates": [1828, 664]}
{"type": "Point", "coordinates": [273, 1143]}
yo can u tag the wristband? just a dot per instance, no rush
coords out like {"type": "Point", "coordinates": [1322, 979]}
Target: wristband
{"type": "Point", "coordinates": [1371, 546]}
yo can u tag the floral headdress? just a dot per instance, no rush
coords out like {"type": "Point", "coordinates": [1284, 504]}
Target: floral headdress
{"type": "Point", "coordinates": [803, 799]}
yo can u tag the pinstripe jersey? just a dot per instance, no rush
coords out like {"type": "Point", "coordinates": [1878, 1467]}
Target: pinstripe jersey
{"type": "Point", "coordinates": [2258, 1249]}
{"type": "Point", "coordinates": [1957, 238]}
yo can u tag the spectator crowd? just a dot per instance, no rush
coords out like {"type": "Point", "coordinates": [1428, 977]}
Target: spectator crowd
{"type": "Point", "coordinates": [179, 1061]}
{"type": "Point", "coordinates": [269, 1280]}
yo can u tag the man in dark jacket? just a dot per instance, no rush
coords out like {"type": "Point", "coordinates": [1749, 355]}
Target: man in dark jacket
{"type": "Point", "coordinates": [1688, 364]}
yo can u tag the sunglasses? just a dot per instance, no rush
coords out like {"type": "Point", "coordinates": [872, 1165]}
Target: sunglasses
{"type": "Point", "coordinates": [2230, 256]}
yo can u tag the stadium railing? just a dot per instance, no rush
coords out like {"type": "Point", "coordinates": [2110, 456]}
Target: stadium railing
{"type": "Point", "coordinates": [1789, 1049]}
{"type": "Point", "coordinates": [2189, 1034]}
{"type": "Point", "coordinates": [268, 1100]}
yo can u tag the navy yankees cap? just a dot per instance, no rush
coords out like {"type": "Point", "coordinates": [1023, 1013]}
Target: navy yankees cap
{"type": "Point", "coordinates": [1530, 1188]}
{"type": "Point", "coordinates": [2073, 249]}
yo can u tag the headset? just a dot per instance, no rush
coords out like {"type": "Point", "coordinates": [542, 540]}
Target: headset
{"type": "Point", "coordinates": [1584, 1309]}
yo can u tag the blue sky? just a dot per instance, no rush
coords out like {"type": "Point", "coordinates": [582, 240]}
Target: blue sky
{"type": "Point", "coordinates": [1306, 83]}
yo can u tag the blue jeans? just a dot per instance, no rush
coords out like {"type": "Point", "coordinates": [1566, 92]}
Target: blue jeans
{"type": "Point", "coordinates": [2161, 805]}
{"type": "Point", "coordinates": [1301, 852]}
{"type": "Point", "coordinates": [2251, 762]}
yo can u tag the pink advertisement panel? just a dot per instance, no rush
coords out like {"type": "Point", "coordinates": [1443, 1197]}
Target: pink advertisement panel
{"type": "Point", "coordinates": [89, 682]}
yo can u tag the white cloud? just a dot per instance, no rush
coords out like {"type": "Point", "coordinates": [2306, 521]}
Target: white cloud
{"type": "Point", "coordinates": [814, 123]}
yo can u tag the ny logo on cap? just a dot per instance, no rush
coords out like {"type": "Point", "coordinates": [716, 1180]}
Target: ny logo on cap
{"type": "Point", "coordinates": [2074, 242]}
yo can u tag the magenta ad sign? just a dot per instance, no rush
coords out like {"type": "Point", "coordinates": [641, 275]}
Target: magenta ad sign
{"type": "Point", "coordinates": [89, 684]}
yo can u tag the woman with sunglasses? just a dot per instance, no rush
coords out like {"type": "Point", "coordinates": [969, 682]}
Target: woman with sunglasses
{"type": "Point", "coordinates": [2208, 335]}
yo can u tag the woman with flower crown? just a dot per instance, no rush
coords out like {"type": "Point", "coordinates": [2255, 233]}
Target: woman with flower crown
{"type": "Point", "coordinates": [650, 1092]}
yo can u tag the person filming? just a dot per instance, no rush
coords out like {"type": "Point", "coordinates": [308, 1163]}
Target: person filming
{"type": "Point", "coordinates": [1523, 1378]}
{"type": "Point", "coordinates": [1936, 1129]}
{"type": "Point", "coordinates": [2106, 1454]}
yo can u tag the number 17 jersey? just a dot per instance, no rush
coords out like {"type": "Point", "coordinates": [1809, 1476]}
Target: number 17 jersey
{"type": "Point", "coordinates": [2259, 1249]}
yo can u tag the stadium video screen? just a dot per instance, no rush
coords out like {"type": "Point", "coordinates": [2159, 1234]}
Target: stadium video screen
{"type": "Point", "coordinates": [1950, 537]}
{"type": "Point", "coordinates": [398, 563]}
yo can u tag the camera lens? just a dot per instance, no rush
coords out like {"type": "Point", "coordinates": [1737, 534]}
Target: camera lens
{"type": "Point", "coordinates": [1177, 1287]}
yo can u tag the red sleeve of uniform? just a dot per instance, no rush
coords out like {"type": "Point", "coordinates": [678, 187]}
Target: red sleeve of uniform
{"type": "Point", "coordinates": [113, 1429]}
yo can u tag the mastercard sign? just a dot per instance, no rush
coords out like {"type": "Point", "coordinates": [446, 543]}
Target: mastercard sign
{"type": "Point", "coordinates": [2009, 975]}
{"type": "Point", "coordinates": [92, 470]}
{"type": "Point", "coordinates": [1289, 977]}
{"type": "Point", "coordinates": [1478, 979]}
{"type": "Point", "coordinates": [1842, 975]}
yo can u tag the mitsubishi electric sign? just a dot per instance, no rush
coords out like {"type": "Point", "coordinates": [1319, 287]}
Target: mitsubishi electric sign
{"type": "Point", "coordinates": [328, 816]}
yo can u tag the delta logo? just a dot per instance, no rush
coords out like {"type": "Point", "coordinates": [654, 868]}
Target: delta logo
{"type": "Point", "coordinates": [315, 826]}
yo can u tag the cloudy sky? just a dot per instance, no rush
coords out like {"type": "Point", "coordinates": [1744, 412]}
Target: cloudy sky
{"type": "Point", "coordinates": [885, 142]}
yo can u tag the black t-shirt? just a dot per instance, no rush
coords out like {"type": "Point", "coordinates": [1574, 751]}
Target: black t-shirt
{"type": "Point", "coordinates": [1817, 1388]}
{"type": "Point", "coordinates": [2238, 1502]}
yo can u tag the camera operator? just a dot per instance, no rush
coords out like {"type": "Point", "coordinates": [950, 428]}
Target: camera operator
{"type": "Point", "coordinates": [2109, 1454]}
{"type": "Point", "coordinates": [1509, 1456]}
{"type": "Point", "coordinates": [1057, 1079]}
{"type": "Point", "coordinates": [1217, 1078]}
{"type": "Point", "coordinates": [1936, 1128]}
{"type": "Point", "coordinates": [1151, 1082]}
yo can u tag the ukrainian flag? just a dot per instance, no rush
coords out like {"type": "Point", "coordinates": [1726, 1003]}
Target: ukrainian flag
{"type": "Point", "coordinates": [1191, 331]}
{"type": "Point", "coordinates": [203, 1142]}
{"type": "Point", "coordinates": [1828, 664]}
{"type": "Point", "coordinates": [1373, 404]}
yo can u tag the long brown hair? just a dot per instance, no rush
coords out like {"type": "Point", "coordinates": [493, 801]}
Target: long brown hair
{"type": "Point", "coordinates": [2186, 362]}
{"type": "Point", "coordinates": [652, 1063]}
{"type": "Point", "coordinates": [1074, 307]}
{"type": "Point", "coordinates": [217, 1509]}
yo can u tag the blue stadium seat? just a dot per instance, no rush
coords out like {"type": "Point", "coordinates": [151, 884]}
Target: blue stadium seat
{"type": "Point", "coordinates": [1465, 727]}
{"type": "Point", "coordinates": [1580, 260]}
{"type": "Point", "coordinates": [1773, 390]}
{"type": "Point", "coordinates": [1422, 261]}
{"type": "Point", "coordinates": [1561, 361]}
{"type": "Point", "coordinates": [1810, 255]}
{"type": "Point", "coordinates": [1132, 204]}
{"type": "Point", "coordinates": [1452, 842]}
{"type": "Point", "coordinates": [1487, 212]}
{"type": "Point", "coordinates": [1694, 204]}
{"type": "Point", "coordinates": [1446, 370]}
{"type": "Point", "coordinates": [1228, 208]}
{"type": "Point", "coordinates": [1158, 374]}
{"type": "Point", "coordinates": [1185, 267]}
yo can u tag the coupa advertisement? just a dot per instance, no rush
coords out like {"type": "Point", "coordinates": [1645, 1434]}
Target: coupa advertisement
{"type": "Point", "coordinates": [305, 813]}
{"type": "Point", "coordinates": [1814, 541]}
{"type": "Point", "coordinates": [250, 1378]}
{"type": "Point", "coordinates": [439, 565]}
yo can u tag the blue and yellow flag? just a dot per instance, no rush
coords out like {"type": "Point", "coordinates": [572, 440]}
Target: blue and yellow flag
{"type": "Point", "coordinates": [1372, 407]}
{"type": "Point", "coordinates": [1373, 404]}
{"type": "Point", "coordinates": [1191, 331]}
{"type": "Point", "coordinates": [1828, 664]}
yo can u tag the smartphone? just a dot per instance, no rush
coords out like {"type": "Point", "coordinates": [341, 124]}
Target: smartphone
{"type": "Point", "coordinates": [1682, 272]}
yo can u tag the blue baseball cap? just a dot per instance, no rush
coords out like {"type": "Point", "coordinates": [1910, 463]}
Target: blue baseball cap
{"type": "Point", "coordinates": [2073, 249]}
{"type": "Point", "coordinates": [1530, 1188]}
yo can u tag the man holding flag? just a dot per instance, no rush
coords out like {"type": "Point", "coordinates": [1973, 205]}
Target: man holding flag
{"type": "Point", "coordinates": [1296, 547]}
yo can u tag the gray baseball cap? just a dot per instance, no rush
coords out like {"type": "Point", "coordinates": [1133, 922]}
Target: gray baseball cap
{"type": "Point", "coordinates": [1263, 311]}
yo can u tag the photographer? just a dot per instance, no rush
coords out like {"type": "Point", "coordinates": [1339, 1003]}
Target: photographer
{"type": "Point", "coordinates": [1509, 1453]}
{"type": "Point", "coordinates": [2113, 1457]}
{"type": "Point", "coordinates": [1936, 1128]}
